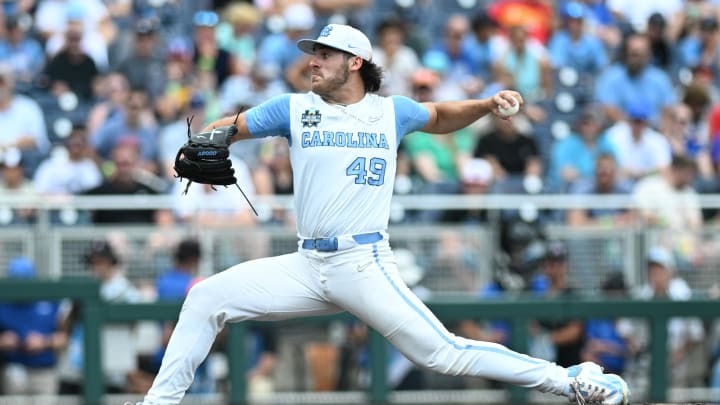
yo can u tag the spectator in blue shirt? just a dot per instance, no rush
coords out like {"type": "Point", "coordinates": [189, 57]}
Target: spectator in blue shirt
{"type": "Point", "coordinates": [603, 344]}
{"type": "Point", "coordinates": [173, 285]}
{"type": "Point", "coordinates": [601, 23]}
{"type": "Point", "coordinates": [701, 50]}
{"type": "Point", "coordinates": [277, 52]}
{"type": "Point", "coordinates": [495, 330]}
{"type": "Point", "coordinates": [462, 69]}
{"type": "Point", "coordinates": [572, 47]}
{"type": "Point", "coordinates": [605, 181]}
{"type": "Point", "coordinates": [559, 340]}
{"type": "Point", "coordinates": [634, 80]}
{"type": "Point", "coordinates": [31, 335]}
{"type": "Point", "coordinates": [573, 158]}
{"type": "Point", "coordinates": [485, 45]}
{"type": "Point", "coordinates": [134, 122]}
{"type": "Point", "coordinates": [24, 54]}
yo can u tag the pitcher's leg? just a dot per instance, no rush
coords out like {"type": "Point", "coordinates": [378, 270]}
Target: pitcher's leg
{"type": "Point", "coordinates": [378, 297]}
{"type": "Point", "coordinates": [447, 353]}
{"type": "Point", "coordinates": [265, 289]}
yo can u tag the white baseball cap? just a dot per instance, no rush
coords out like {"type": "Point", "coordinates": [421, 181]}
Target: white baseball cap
{"type": "Point", "coordinates": [342, 37]}
{"type": "Point", "coordinates": [661, 256]}
{"type": "Point", "coordinates": [476, 171]}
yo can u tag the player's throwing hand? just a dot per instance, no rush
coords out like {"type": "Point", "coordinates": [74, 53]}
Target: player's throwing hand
{"type": "Point", "coordinates": [506, 103]}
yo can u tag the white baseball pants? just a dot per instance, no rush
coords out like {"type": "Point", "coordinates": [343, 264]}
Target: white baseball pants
{"type": "Point", "coordinates": [364, 281]}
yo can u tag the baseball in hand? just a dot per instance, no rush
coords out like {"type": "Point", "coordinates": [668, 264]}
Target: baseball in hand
{"type": "Point", "coordinates": [512, 110]}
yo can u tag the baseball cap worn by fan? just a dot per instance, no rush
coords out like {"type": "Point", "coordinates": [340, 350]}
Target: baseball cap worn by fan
{"type": "Point", "coordinates": [101, 249]}
{"type": "Point", "coordinates": [661, 256]}
{"type": "Point", "coordinates": [657, 20]}
{"type": "Point", "coordinates": [178, 49]}
{"type": "Point", "coordinates": [476, 171]}
{"type": "Point", "coordinates": [243, 14]}
{"type": "Point", "coordinates": [187, 249]}
{"type": "Point", "coordinates": [205, 18]}
{"type": "Point", "coordinates": [556, 250]}
{"type": "Point", "coordinates": [145, 26]}
{"type": "Point", "coordinates": [638, 111]}
{"type": "Point", "coordinates": [21, 267]}
{"type": "Point", "coordinates": [342, 37]}
{"type": "Point", "coordinates": [574, 10]}
{"type": "Point", "coordinates": [75, 11]}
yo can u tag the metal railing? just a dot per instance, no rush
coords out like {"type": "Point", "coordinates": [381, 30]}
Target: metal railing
{"type": "Point", "coordinates": [414, 201]}
{"type": "Point", "coordinates": [594, 252]}
{"type": "Point", "coordinates": [602, 249]}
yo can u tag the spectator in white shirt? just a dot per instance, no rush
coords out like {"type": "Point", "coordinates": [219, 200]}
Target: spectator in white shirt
{"type": "Point", "coordinates": [637, 12]}
{"type": "Point", "coordinates": [22, 122]}
{"type": "Point", "coordinates": [51, 17]}
{"type": "Point", "coordinates": [669, 203]}
{"type": "Point", "coordinates": [669, 199]}
{"type": "Point", "coordinates": [640, 150]}
{"type": "Point", "coordinates": [397, 59]}
{"type": "Point", "coordinates": [71, 169]}
{"type": "Point", "coordinates": [685, 334]}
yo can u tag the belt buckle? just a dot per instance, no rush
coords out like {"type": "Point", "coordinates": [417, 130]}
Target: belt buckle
{"type": "Point", "coordinates": [326, 244]}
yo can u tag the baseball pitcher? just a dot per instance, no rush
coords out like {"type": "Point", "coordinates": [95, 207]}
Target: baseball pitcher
{"type": "Point", "coordinates": [343, 140]}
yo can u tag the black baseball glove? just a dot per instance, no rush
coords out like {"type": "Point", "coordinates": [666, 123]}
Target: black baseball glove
{"type": "Point", "coordinates": [205, 158]}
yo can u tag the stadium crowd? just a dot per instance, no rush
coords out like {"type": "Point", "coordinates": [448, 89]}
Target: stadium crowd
{"type": "Point", "coordinates": [621, 98]}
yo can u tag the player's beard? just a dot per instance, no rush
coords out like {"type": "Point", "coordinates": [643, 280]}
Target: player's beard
{"type": "Point", "coordinates": [327, 87]}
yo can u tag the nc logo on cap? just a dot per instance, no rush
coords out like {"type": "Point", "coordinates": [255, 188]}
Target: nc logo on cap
{"type": "Point", "coordinates": [342, 37]}
{"type": "Point", "coordinates": [326, 31]}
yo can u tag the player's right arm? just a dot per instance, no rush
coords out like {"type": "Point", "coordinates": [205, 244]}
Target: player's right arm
{"type": "Point", "coordinates": [449, 116]}
{"type": "Point", "coordinates": [271, 118]}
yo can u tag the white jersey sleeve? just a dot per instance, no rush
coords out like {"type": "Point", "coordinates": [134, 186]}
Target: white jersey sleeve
{"type": "Point", "coordinates": [343, 157]}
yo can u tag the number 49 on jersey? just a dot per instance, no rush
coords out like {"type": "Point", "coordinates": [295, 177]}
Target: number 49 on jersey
{"type": "Point", "coordinates": [370, 172]}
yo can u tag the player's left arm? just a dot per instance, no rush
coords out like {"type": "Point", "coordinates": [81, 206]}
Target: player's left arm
{"type": "Point", "coordinates": [239, 120]}
{"type": "Point", "coordinates": [449, 116]}
{"type": "Point", "coordinates": [266, 119]}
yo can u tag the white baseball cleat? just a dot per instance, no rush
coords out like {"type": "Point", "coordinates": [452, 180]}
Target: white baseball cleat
{"type": "Point", "coordinates": [590, 386]}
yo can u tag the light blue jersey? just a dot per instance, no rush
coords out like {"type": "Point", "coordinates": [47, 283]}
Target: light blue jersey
{"type": "Point", "coordinates": [343, 157]}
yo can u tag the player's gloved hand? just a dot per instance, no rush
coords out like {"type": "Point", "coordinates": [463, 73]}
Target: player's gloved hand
{"type": "Point", "coordinates": [205, 157]}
